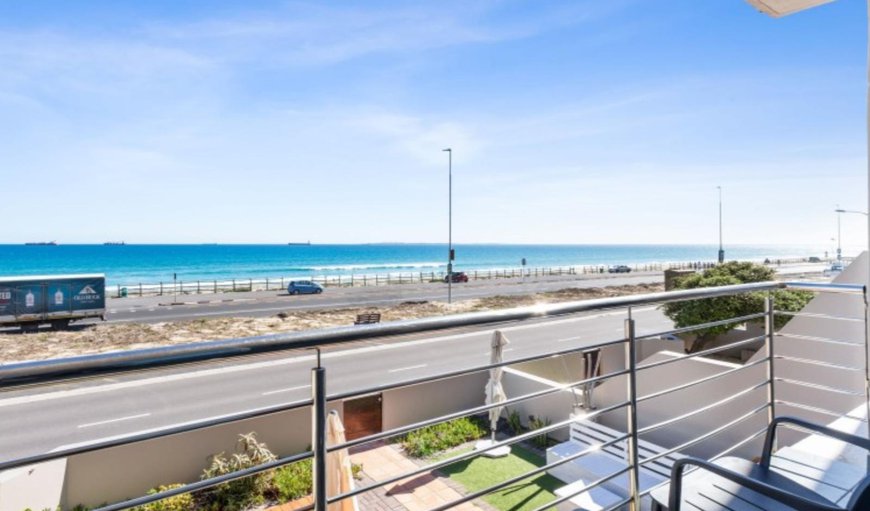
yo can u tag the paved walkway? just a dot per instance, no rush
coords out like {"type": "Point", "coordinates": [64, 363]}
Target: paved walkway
{"type": "Point", "coordinates": [420, 493]}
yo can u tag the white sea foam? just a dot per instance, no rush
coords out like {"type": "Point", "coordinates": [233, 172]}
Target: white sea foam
{"type": "Point", "coordinates": [382, 266]}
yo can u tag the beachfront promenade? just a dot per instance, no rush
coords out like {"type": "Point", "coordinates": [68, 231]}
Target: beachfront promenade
{"type": "Point", "coordinates": [278, 283]}
{"type": "Point", "coordinates": [152, 309]}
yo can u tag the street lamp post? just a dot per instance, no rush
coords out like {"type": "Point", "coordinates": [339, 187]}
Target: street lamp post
{"type": "Point", "coordinates": [450, 255]}
{"type": "Point", "coordinates": [839, 234]}
{"type": "Point", "coordinates": [721, 248]}
{"type": "Point", "coordinates": [839, 212]}
{"type": "Point", "coordinates": [851, 211]}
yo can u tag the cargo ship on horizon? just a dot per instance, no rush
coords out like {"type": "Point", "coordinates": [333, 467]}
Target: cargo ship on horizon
{"type": "Point", "coordinates": [41, 243]}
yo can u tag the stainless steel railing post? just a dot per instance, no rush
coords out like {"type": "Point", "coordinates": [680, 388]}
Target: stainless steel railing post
{"type": "Point", "coordinates": [631, 414]}
{"type": "Point", "coordinates": [318, 433]}
{"type": "Point", "coordinates": [769, 329]}
{"type": "Point", "coordinates": [867, 363]}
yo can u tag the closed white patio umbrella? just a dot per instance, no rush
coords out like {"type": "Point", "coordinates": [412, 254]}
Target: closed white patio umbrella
{"type": "Point", "coordinates": [495, 393]}
{"type": "Point", "coordinates": [339, 475]}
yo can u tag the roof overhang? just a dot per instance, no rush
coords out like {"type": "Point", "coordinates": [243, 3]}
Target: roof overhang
{"type": "Point", "coordinates": [779, 8]}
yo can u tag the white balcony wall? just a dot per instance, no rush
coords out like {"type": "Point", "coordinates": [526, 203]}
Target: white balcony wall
{"type": "Point", "coordinates": [416, 403]}
{"type": "Point", "coordinates": [843, 305]}
{"type": "Point", "coordinates": [555, 407]}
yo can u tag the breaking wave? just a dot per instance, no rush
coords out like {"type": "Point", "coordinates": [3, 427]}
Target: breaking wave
{"type": "Point", "coordinates": [358, 267]}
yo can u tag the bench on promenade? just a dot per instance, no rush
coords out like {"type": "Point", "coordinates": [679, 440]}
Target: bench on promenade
{"type": "Point", "coordinates": [368, 318]}
{"type": "Point", "coordinates": [603, 462]}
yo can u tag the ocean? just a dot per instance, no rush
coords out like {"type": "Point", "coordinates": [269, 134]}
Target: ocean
{"type": "Point", "coordinates": [131, 264]}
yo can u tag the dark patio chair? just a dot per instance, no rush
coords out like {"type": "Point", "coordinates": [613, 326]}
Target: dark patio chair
{"type": "Point", "coordinates": [735, 483]}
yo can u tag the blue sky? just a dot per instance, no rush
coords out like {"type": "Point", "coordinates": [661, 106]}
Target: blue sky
{"type": "Point", "coordinates": [571, 121]}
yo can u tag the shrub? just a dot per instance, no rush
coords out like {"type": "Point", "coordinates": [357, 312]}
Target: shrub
{"type": "Point", "coordinates": [294, 481]}
{"type": "Point", "coordinates": [697, 312]}
{"type": "Point", "coordinates": [514, 422]}
{"type": "Point", "coordinates": [537, 423]}
{"type": "Point", "coordinates": [241, 493]}
{"type": "Point", "coordinates": [431, 439]}
{"type": "Point", "coordinates": [177, 503]}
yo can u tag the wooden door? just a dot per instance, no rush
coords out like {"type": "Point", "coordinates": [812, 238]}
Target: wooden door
{"type": "Point", "coordinates": [362, 416]}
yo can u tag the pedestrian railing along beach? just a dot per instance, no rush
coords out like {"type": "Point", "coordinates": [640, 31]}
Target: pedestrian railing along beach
{"type": "Point", "coordinates": [279, 283]}
{"type": "Point", "coordinates": [753, 405]}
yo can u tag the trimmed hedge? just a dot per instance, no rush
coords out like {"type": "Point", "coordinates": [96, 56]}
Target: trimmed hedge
{"type": "Point", "coordinates": [432, 439]}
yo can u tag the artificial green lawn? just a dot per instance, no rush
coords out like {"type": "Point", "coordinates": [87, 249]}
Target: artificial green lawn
{"type": "Point", "coordinates": [481, 472]}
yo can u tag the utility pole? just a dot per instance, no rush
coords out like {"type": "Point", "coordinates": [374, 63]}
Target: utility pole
{"type": "Point", "coordinates": [721, 248]}
{"type": "Point", "coordinates": [450, 255]}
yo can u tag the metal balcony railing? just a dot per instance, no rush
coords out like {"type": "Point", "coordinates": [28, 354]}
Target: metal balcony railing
{"type": "Point", "coordinates": [56, 370]}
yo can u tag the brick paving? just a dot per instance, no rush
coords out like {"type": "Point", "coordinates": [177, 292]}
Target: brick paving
{"type": "Point", "coordinates": [377, 499]}
{"type": "Point", "coordinates": [419, 493]}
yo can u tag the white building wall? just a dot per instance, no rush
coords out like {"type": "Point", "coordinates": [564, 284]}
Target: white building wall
{"type": "Point", "coordinates": [652, 411]}
{"type": "Point", "coordinates": [843, 305]}
{"type": "Point", "coordinates": [409, 405]}
{"type": "Point", "coordinates": [556, 407]}
{"type": "Point", "coordinates": [670, 375]}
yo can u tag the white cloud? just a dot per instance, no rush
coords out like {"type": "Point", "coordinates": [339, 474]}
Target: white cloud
{"type": "Point", "coordinates": [309, 34]}
{"type": "Point", "coordinates": [423, 139]}
{"type": "Point", "coordinates": [52, 60]}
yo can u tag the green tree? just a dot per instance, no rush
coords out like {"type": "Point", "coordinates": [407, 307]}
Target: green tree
{"type": "Point", "coordinates": [696, 312]}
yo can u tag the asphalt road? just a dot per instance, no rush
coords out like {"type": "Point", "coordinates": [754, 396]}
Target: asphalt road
{"type": "Point", "coordinates": [50, 417]}
{"type": "Point", "coordinates": [153, 309]}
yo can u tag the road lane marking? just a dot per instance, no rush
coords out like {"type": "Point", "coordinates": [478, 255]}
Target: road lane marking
{"type": "Point", "coordinates": [504, 350]}
{"type": "Point", "coordinates": [159, 428]}
{"type": "Point", "coordinates": [420, 366]}
{"type": "Point", "coordinates": [289, 389]}
{"type": "Point", "coordinates": [282, 362]}
{"type": "Point", "coordinates": [110, 421]}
